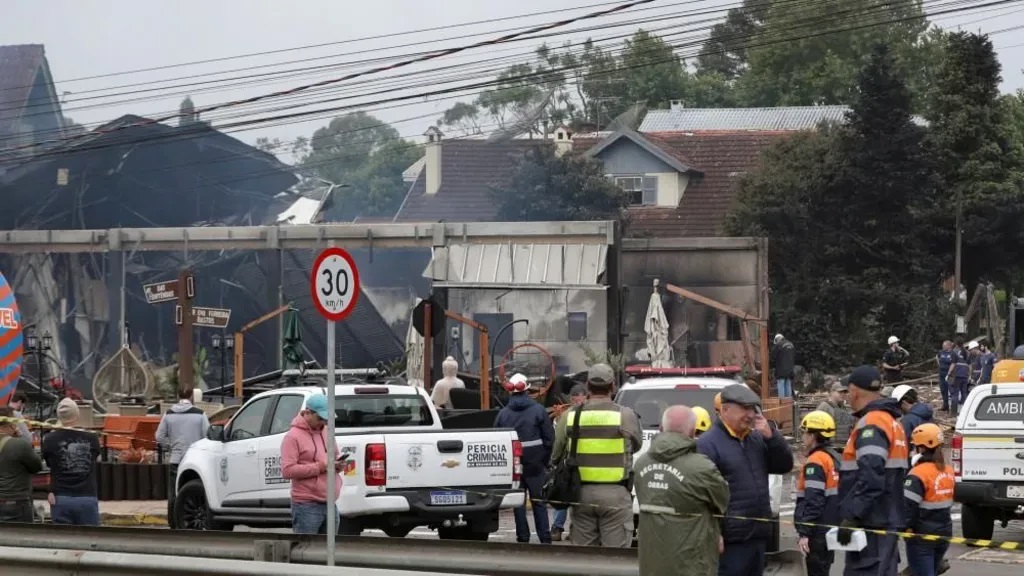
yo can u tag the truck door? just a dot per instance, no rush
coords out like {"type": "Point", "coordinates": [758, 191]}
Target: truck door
{"type": "Point", "coordinates": [993, 440]}
{"type": "Point", "coordinates": [275, 490]}
{"type": "Point", "coordinates": [240, 476]}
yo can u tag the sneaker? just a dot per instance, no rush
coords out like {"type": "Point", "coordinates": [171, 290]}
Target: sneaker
{"type": "Point", "coordinates": [944, 567]}
{"type": "Point", "coordinates": [556, 534]}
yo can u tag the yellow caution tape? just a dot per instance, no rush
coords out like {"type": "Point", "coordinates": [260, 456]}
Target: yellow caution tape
{"type": "Point", "coordinates": [977, 543]}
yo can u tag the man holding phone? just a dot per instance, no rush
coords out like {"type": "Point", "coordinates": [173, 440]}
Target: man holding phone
{"type": "Point", "coordinates": [305, 462]}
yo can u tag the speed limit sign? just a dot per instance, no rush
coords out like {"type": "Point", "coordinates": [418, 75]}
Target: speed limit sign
{"type": "Point", "coordinates": [335, 284]}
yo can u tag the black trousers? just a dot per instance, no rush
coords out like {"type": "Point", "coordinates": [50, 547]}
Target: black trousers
{"type": "Point", "coordinates": [819, 560]}
{"type": "Point", "coordinates": [19, 511]}
{"type": "Point", "coordinates": [172, 492]}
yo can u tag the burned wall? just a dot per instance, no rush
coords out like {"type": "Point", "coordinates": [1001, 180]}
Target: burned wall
{"type": "Point", "coordinates": [729, 270]}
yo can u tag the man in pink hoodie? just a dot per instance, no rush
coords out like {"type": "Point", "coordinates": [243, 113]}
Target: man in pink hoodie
{"type": "Point", "coordinates": [304, 461]}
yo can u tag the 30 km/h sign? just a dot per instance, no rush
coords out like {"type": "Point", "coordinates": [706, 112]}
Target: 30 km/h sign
{"type": "Point", "coordinates": [335, 290]}
{"type": "Point", "coordinates": [335, 284]}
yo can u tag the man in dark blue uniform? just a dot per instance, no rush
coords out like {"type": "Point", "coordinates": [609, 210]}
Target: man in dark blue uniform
{"type": "Point", "coordinates": [537, 434]}
{"type": "Point", "coordinates": [945, 358]}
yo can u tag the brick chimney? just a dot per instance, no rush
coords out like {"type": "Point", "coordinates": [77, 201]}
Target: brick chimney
{"type": "Point", "coordinates": [432, 167]}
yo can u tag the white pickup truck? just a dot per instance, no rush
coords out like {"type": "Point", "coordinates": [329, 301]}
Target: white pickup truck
{"type": "Point", "coordinates": [403, 469]}
{"type": "Point", "coordinates": [988, 452]}
{"type": "Point", "coordinates": [649, 397]}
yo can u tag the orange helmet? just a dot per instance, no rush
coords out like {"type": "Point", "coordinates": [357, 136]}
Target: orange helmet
{"type": "Point", "coordinates": [927, 435]}
{"type": "Point", "coordinates": [718, 402]}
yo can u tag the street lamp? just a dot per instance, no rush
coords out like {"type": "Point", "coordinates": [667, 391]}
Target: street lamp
{"type": "Point", "coordinates": [224, 345]}
{"type": "Point", "coordinates": [38, 347]}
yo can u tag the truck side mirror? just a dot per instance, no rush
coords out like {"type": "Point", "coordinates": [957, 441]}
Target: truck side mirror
{"type": "Point", "coordinates": [215, 433]}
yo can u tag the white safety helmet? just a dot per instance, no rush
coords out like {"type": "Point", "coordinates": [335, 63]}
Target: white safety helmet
{"type": "Point", "coordinates": [893, 340]}
{"type": "Point", "coordinates": [778, 338]}
{"type": "Point", "coordinates": [972, 345]}
{"type": "Point", "coordinates": [900, 391]}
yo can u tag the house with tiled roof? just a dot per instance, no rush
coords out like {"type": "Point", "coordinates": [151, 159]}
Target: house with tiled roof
{"type": "Point", "coordinates": [30, 112]}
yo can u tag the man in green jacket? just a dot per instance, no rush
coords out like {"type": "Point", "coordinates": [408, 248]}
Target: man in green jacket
{"type": "Point", "coordinates": [681, 493]}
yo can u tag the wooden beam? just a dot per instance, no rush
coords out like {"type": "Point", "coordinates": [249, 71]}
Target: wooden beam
{"type": "Point", "coordinates": [735, 312]}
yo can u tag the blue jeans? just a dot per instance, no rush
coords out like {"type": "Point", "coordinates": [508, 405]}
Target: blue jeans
{"type": "Point", "coordinates": [560, 517]}
{"type": "Point", "coordinates": [534, 486]}
{"type": "Point", "coordinates": [785, 387]}
{"type": "Point", "coordinates": [924, 558]}
{"type": "Point", "coordinates": [311, 518]}
{"type": "Point", "coordinates": [75, 510]}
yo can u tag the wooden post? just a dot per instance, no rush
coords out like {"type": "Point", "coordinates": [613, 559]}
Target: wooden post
{"type": "Point", "coordinates": [485, 380]}
{"type": "Point", "coordinates": [186, 377]}
{"type": "Point", "coordinates": [764, 363]}
{"type": "Point", "coordinates": [239, 362]}
{"type": "Point", "coordinates": [427, 343]}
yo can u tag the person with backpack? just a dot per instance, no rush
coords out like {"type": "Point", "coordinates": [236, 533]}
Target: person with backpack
{"type": "Point", "coordinates": [817, 500]}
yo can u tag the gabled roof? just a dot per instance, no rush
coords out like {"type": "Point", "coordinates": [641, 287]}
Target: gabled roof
{"type": "Point", "coordinates": [19, 66]}
{"type": "Point", "coordinates": [721, 158]}
{"type": "Point", "coordinates": [468, 170]}
{"type": "Point", "coordinates": [779, 118]}
{"type": "Point", "coordinates": [769, 119]}
{"type": "Point", "coordinates": [666, 154]}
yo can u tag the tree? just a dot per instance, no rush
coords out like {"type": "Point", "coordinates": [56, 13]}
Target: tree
{"type": "Point", "coordinates": [725, 52]}
{"type": "Point", "coordinates": [841, 206]}
{"type": "Point", "coordinates": [365, 154]}
{"type": "Point", "coordinates": [546, 186]}
{"type": "Point", "coordinates": [978, 162]}
{"type": "Point", "coordinates": [810, 53]}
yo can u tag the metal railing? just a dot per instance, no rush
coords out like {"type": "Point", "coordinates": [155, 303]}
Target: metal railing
{"type": "Point", "coordinates": [46, 562]}
{"type": "Point", "coordinates": [444, 556]}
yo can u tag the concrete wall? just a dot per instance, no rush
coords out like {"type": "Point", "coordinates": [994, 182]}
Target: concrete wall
{"type": "Point", "coordinates": [547, 311]}
{"type": "Point", "coordinates": [729, 270]}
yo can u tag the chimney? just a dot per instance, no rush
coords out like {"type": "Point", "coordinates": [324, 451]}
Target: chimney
{"type": "Point", "coordinates": [432, 167]}
{"type": "Point", "coordinates": [676, 105]}
{"type": "Point", "coordinates": [563, 140]}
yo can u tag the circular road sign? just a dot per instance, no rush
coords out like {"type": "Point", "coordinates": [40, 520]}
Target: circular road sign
{"type": "Point", "coordinates": [335, 284]}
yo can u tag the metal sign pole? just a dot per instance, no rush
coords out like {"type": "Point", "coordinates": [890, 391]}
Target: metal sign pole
{"type": "Point", "coordinates": [332, 476]}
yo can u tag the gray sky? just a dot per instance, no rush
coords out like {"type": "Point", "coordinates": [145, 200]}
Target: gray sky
{"type": "Point", "coordinates": [95, 37]}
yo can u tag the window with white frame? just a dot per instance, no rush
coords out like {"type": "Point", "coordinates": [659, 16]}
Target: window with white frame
{"type": "Point", "coordinates": [639, 190]}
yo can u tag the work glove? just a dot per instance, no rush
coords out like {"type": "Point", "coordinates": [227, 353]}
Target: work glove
{"type": "Point", "coordinates": [845, 533]}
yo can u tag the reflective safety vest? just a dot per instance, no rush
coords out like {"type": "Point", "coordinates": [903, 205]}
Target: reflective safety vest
{"type": "Point", "coordinates": [877, 438]}
{"type": "Point", "coordinates": [817, 496]}
{"type": "Point", "coordinates": [929, 495]}
{"type": "Point", "coordinates": [601, 455]}
{"type": "Point", "coordinates": [896, 455]}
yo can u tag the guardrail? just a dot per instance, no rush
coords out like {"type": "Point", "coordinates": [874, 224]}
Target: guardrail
{"type": "Point", "coordinates": [43, 562]}
{"type": "Point", "coordinates": [445, 556]}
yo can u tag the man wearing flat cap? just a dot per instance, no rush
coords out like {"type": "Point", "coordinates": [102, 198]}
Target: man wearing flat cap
{"type": "Point", "coordinates": [745, 449]}
{"type": "Point", "coordinates": [871, 476]}
{"type": "Point", "coordinates": [609, 435]}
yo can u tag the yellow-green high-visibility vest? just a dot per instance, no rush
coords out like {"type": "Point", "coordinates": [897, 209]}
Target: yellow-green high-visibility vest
{"type": "Point", "coordinates": [601, 455]}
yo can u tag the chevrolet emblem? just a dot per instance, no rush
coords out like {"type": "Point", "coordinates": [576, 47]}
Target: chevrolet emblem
{"type": "Point", "coordinates": [450, 463]}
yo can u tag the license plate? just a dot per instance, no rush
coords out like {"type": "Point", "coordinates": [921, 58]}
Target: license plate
{"type": "Point", "coordinates": [1015, 492]}
{"type": "Point", "coordinates": [447, 498]}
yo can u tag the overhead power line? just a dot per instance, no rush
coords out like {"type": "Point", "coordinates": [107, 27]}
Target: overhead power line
{"type": "Point", "coordinates": [443, 53]}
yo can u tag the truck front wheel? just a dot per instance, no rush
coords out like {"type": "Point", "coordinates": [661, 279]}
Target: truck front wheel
{"type": "Point", "coordinates": [977, 523]}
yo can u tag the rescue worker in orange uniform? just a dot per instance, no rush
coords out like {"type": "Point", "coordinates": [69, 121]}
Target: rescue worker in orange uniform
{"type": "Point", "coordinates": [817, 492]}
{"type": "Point", "coordinates": [872, 472]}
{"type": "Point", "coordinates": [928, 495]}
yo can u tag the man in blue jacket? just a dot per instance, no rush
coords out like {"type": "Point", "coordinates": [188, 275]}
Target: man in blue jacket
{"type": "Point", "coordinates": [914, 412]}
{"type": "Point", "coordinates": [537, 434]}
{"type": "Point", "coordinates": [745, 450]}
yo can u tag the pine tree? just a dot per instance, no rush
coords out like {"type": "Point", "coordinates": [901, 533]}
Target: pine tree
{"type": "Point", "coordinates": [971, 143]}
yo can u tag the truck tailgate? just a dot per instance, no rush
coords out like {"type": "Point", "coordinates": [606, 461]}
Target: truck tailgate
{"type": "Point", "coordinates": [451, 458]}
{"type": "Point", "coordinates": [996, 458]}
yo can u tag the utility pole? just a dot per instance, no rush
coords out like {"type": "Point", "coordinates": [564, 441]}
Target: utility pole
{"type": "Point", "coordinates": [183, 318]}
{"type": "Point", "coordinates": [957, 260]}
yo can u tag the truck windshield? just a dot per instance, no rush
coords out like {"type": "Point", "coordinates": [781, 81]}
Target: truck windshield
{"type": "Point", "coordinates": [649, 404]}
{"type": "Point", "coordinates": [382, 410]}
